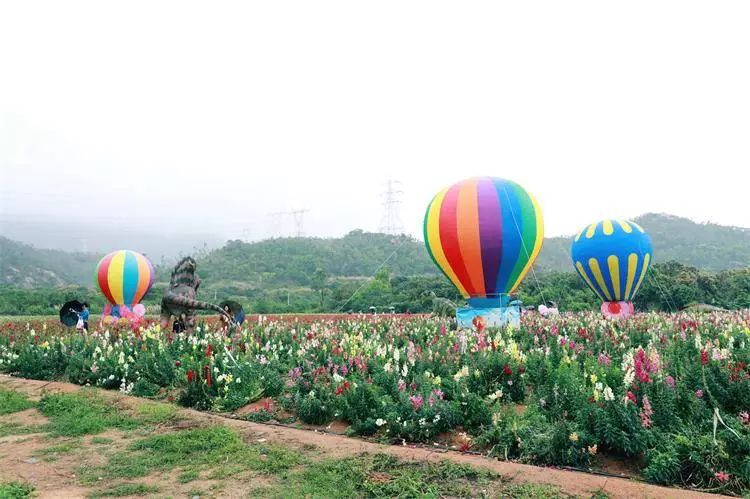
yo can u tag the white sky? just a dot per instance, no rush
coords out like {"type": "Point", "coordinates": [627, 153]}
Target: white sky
{"type": "Point", "coordinates": [140, 112]}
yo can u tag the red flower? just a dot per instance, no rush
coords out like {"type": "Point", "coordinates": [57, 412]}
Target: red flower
{"type": "Point", "coordinates": [190, 376]}
{"type": "Point", "coordinates": [631, 397]}
{"type": "Point", "coordinates": [207, 374]}
{"type": "Point", "coordinates": [177, 363]}
{"type": "Point", "coordinates": [704, 357]}
{"type": "Point", "coordinates": [209, 350]}
{"type": "Point", "coordinates": [507, 370]}
{"type": "Point", "coordinates": [721, 476]}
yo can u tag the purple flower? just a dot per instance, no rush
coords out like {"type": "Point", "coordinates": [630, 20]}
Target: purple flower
{"type": "Point", "coordinates": [604, 359]}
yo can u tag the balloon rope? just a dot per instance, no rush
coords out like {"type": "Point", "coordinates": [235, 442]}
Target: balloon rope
{"type": "Point", "coordinates": [667, 298]}
{"type": "Point", "coordinates": [373, 275]}
{"type": "Point", "coordinates": [523, 243]}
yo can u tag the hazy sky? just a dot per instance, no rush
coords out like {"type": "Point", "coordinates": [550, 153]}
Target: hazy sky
{"type": "Point", "coordinates": [145, 114]}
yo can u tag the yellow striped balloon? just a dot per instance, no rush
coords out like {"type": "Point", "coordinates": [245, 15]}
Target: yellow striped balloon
{"type": "Point", "coordinates": [124, 277]}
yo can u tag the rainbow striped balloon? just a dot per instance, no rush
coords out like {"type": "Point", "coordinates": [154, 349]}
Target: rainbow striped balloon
{"type": "Point", "coordinates": [612, 256]}
{"type": "Point", "coordinates": [484, 233]}
{"type": "Point", "coordinates": [124, 277]}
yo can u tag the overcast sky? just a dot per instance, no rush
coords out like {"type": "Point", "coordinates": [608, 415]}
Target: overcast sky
{"type": "Point", "coordinates": [147, 114]}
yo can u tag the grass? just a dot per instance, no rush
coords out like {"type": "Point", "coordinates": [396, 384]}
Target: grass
{"type": "Point", "coordinates": [19, 429]}
{"type": "Point", "coordinates": [214, 448]}
{"type": "Point", "coordinates": [126, 489]}
{"type": "Point", "coordinates": [82, 413]}
{"type": "Point", "coordinates": [382, 475]}
{"type": "Point", "coordinates": [15, 490]}
{"type": "Point", "coordinates": [52, 453]}
{"type": "Point", "coordinates": [11, 402]}
{"type": "Point", "coordinates": [151, 413]}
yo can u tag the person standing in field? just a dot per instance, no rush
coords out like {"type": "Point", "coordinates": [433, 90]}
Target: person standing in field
{"type": "Point", "coordinates": [84, 316]}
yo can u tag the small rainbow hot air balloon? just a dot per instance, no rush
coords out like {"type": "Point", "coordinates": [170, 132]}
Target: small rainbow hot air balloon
{"type": "Point", "coordinates": [484, 233]}
{"type": "Point", "coordinates": [613, 256]}
{"type": "Point", "coordinates": [124, 277]}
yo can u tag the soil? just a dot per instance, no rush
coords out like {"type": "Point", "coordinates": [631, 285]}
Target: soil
{"type": "Point", "coordinates": [56, 479]}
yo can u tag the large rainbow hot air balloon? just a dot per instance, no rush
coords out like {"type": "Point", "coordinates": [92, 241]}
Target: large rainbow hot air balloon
{"type": "Point", "coordinates": [484, 233]}
{"type": "Point", "coordinates": [613, 256]}
{"type": "Point", "coordinates": [124, 277]}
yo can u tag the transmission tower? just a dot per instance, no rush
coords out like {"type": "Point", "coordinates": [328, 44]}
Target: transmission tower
{"type": "Point", "coordinates": [298, 220]}
{"type": "Point", "coordinates": [391, 221]}
{"type": "Point", "coordinates": [278, 217]}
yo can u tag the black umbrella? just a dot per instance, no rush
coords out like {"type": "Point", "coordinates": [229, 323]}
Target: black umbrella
{"type": "Point", "coordinates": [235, 309]}
{"type": "Point", "coordinates": [69, 313]}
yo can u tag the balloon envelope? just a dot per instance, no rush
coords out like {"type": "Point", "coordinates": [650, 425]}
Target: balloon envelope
{"type": "Point", "coordinates": [124, 277]}
{"type": "Point", "coordinates": [484, 233]}
{"type": "Point", "coordinates": [612, 256]}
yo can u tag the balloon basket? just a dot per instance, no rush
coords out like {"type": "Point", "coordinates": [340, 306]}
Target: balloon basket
{"type": "Point", "coordinates": [617, 309]}
{"type": "Point", "coordinates": [493, 317]}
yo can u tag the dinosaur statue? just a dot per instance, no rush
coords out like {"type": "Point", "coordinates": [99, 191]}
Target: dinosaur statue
{"type": "Point", "coordinates": [179, 298]}
{"type": "Point", "coordinates": [442, 307]}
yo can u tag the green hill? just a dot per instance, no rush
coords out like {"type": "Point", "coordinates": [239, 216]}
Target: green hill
{"type": "Point", "coordinates": [24, 266]}
{"type": "Point", "coordinates": [293, 262]}
{"type": "Point", "coordinates": [707, 246]}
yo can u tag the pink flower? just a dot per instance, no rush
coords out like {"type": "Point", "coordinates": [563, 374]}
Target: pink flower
{"type": "Point", "coordinates": [604, 359]}
{"type": "Point", "coordinates": [646, 413]}
{"type": "Point", "coordinates": [669, 380]}
{"type": "Point", "coordinates": [439, 394]}
{"type": "Point", "coordinates": [416, 401]}
{"type": "Point", "coordinates": [401, 385]}
{"type": "Point", "coordinates": [745, 418]}
{"type": "Point", "coordinates": [699, 393]}
{"type": "Point", "coordinates": [721, 476]}
{"type": "Point", "coordinates": [704, 357]}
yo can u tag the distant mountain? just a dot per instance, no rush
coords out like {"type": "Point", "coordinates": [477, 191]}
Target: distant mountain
{"type": "Point", "coordinates": [97, 238]}
{"type": "Point", "coordinates": [24, 266]}
{"type": "Point", "coordinates": [705, 246]}
{"type": "Point", "coordinates": [288, 262]}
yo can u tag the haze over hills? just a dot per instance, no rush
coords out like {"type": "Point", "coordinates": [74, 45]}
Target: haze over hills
{"type": "Point", "coordinates": [294, 261]}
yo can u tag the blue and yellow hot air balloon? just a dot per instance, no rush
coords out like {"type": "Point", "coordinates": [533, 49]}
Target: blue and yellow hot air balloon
{"type": "Point", "coordinates": [484, 233]}
{"type": "Point", "coordinates": [613, 257]}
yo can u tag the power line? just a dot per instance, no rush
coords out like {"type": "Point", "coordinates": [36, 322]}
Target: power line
{"type": "Point", "coordinates": [391, 221]}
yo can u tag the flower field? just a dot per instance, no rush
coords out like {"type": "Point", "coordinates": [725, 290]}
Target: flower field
{"type": "Point", "coordinates": [668, 394]}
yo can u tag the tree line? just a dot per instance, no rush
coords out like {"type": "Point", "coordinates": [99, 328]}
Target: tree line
{"type": "Point", "coordinates": [669, 286]}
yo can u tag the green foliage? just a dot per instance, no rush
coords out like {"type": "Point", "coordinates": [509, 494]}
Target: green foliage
{"type": "Point", "coordinates": [81, 413]}
{"type": "Point", "coordinates": [11, 401]}
{"type": "Point", "coordinates": [385, 476]}
{"type": "Point", "coordinates": [15, 490]}
{"type": "Point", "coordinates": [215, 447]}
{"type": "Point", "coordinates": [126, 489]}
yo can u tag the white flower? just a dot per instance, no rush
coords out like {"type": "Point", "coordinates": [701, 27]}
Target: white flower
{"type": "Point", "coordinates": [404, 370]}
{"type": "Point", "coordinates": [599, 386]}
{"type": "Point", "coordinates": [388, 367]}
{"type": "Point", "coordinates": [380, 422]}
{"type": "Point", "coordinates": [608, 394]}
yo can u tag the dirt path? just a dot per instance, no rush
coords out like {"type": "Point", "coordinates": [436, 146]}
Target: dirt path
{"type": "Point", "coordinates": [571, 482]}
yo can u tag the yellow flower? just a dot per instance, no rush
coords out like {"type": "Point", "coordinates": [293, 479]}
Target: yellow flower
{"type": "Point", "coordinates": [573, 437]}
{"type": "Point", "coordinates": [593, 379]}
{"type": "Point", "coordinates": [592, 449]}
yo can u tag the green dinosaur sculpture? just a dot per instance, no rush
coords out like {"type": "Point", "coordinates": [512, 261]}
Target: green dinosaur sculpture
{"type": "Point", "coordinates": [442, 307]}
{"type": "Point", "coordinates": [179, 298]}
